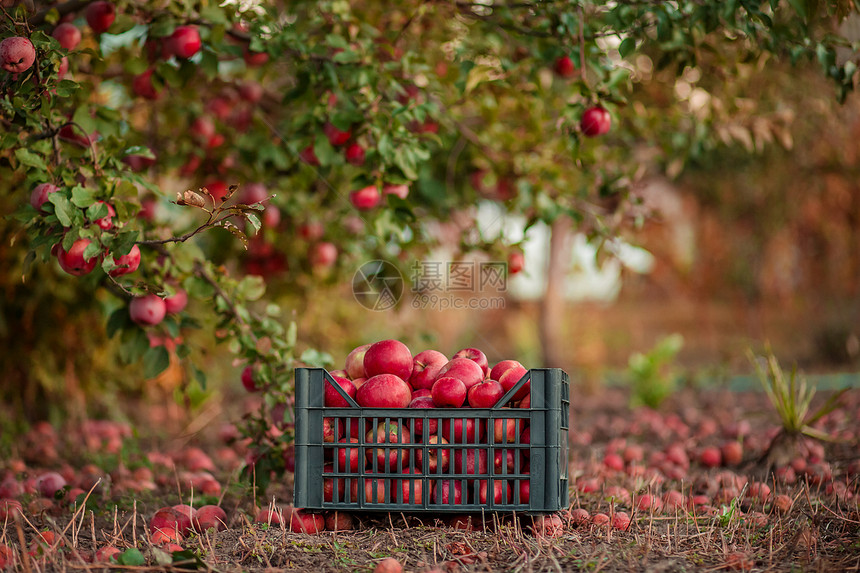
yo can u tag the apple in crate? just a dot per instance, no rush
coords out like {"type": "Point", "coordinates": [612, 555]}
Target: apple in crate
{"type": "Point", "coordinates": [448, 492]}
{"type": "Point", "coordinates": [475, 356]}
{"type": "Point", "coordinates": [332, 429]}
{"type": "Point", "coordinates": [485, 394]}
{"type": "Point", "coordinates": [464, 370]}
{"type": "Point", "coordinates": [502, 367]}
{"type": "Point", "coordinates": [432, 423]}
{"type": "Point", "coordinates": [505, 430]}
{"type": "Point", "coordinates": [329, 493]}
{"type": "Point", "coordinates": [350, 449]}
{"type": "Point", "coordinates": [510, 378]}
{"type": "Point", "coordinates": [384, 391]}
{"type": "Point", "coordinates": [501, 491]}
{"type": "Point", "coordinates": [387, 433]}
{"type": "Point", "coordinates": [355, 361]}
{"type": "Point", "coordinates": [458, 431]}
{"type": "Point", "coordinates": [504, 461]}
{"type": "Point", "coordinates": [412, 489]}
{"type": "Point", "coordinates": [332, 398]}
{"type": "Point", "coordinates": [470, 462]}
{"type": "Point", "coordinates": [388, 357]}
{"type": "Point", "coordinates": [425, 369]}
{"type": "Point", "coordinates": [374, 488]}
{"type": "Point", "coordinates": [438, 459]}
{"type": "Point", "coordinates": [448, 392]}
{"type": "Point", "coordinates": [525, 488]}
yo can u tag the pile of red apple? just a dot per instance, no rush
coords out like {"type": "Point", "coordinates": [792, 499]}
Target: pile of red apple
{"type": "Point", "coordinates": [386, 375]}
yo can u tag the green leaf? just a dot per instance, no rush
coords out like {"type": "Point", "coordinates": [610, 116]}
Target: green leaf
{"type": "Point", "coordinates": [155, 361]}
{"type": "Point", "coordinates": [117, 321]}
{"type": "Point", "coordinates": [131, 557]}
{"type": "Point", "coordinates": [627, 46]}
{"type": "Point", "coordinates": [800, 7]}
{"type": "Point", "coordinates": [63, 208]}
{"type": "Point", "coordinates": [83, 197]}
{"type": "Point", "coordinates": [93, 250]}
{"type": "Point", "coordinates": [97, 211]}
{"type": "Point", "coordinates": [199, 375]}
{"type": "Point", "coordinates": [30, 159]}
{"type": "Point", "coordinates": [252, 287]}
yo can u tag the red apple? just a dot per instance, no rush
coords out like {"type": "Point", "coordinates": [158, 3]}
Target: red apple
{"type": "Point", "coordinates": [485, 394]}
{"type": "Point", "coordinates": [448, 392]}
{"type": "Point", "coordinates": [374, 489]}
{"type": "Point", "coordinates": [354, 456]}
{"type": "Point", "coordinates": [502, 367]}
{"type": "Point", "coordinates": [100, 15]}
{"type": "Point", "coordinates": [505, 430]}
{"type": "Point", "coordinates": [339, 521]}
{"type": "Point", "coordinates": [525, 490]}
{"type": "Point", "coordinates": [366, 198]}
{"type": "Point", "coordinates": [255, 59]}
{"type": "Point", "coordinates": [126, 263]}
{"type": "Point", "coordinates": [189, 518]}
{"type": "Point", "coordinates": [456, 432]}
{"type": "Point", "coordinates": [501, 491]}
{"type": "Point", "coordinates": [510, 378]}
{"type": "Point", "coordinates": [438, 459]}
{"type": "Point", "coordinates": [380, 459]}
{"type": "Point", "coordinates": [516, 262]}
{"type": "Point", "coordinates": [270, 516]}
{"type": "Point", "coordinates": [401, 191]}
{"type": "Point", "coordinates": [106, 222]}
{"type": "Point", "coordinates": [333, 429]}
{"type": "Point", "coordinates": [470, 462]}
{"type": "Point", "coordinates": [355, 361]}
{"type": "Point", "coordinates": [67, 35]}
{"type": "Point", "coordinates": [595, 121]}
{"type": "Point", "coordinates": [176, 303]}
{"type": "Point", "coordinates": [143, 86]}
{"type": "Point", "coordinates": [463, 369]}
{"type": "Point", "coordinates": [329, 484]}
{"type": "Point", "coordinates": [339, 373]}
{"type": "Point", "coordinates": [504, 461]}
{"type": "Point", "coordinates": [312, 231]}
{"type": "Point", "coordinates": [564, 67]}
{"type": "Point", "coordinates": [147, 310]}
{"type": "Point", "coordinates": [248, 381]}
{"type": "Point", "coordinates": [218, 189]}
{"type": "Point", "coordinates": [476, 356]}
{"type": "Point", "coordinates": [323, 255]}
{"type": "Point", "coordinates": [309, 156]}
{"type": "Point", "coordinates": [335, 136]}
{"type": "Point", "coordinates": [49, 484]}
{"type": "Point", "coordinates": [72, 261]}
{"type": "Point", "coordinates": [104, 554]}
{"type": "Point", "coordinates": [432, 423]}
{"type": "Point", "coordinates": [39, 196]}
{"type": "Point", "coordinates": [137, 162]}
{"type": "Point", "coordinates": [448, 492]}
{"type": "Point", "coordinates": [17, 54]}
{"type": "Point", "coordinates": [211, 516]}
{"type": "Point", "coordinates": [184, 42]}
{"type": "Point", "coordinates": [411, 489]}
{"type": "Point", "coordinates": [354, 154]}
{"type": "Point", "coordinates": [425, 368]}
{"type": "Point", "coordinates": [421, 393]}
{"type": "Point", "coordinates": [202, 128]}
{"type": "Point", "coordinates": [251, 91]}
{"type": "Point", "coordinates": [333, 399]}
{"type": "Point", "coordinates": [168, 519]}
{"type": "Point", "coordinates": [384, 391]}
{"type": "Point", "coordinates": [302, 521]}
{"type": "Point", "coordinates": [388, 357]}
{"type": "Point", "coordinates": [526, 439]}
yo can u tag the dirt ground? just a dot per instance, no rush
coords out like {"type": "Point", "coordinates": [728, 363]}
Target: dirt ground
{"type": "Point", "coordinates": [645, 465]}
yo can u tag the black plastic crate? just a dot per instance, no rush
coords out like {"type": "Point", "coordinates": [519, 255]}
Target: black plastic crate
{"type": "Point", "coordinates": [396, 473]}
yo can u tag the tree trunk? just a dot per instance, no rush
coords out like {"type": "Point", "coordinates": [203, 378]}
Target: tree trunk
{"type": "Point", "coordinates": [552, 309]}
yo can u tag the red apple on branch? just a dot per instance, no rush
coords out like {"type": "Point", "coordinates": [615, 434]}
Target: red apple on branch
{"type": "Point", "coordinates": [184, 42]}
{"type": "Point", "coordinates": [595, 121]}
{"type": "Point", "coordinates": [147, 310]}
{"type": "Point", "coordinates": [40, 195]}
{"type": "Point", "coordinates": [366, 198]}
{"type": "Point", "coordinates": [73, 262]}
{"type": "Point", "coordinates": [176, 303]}
{"type": "Point", "coordinates": [17, 54]}
{"type": "Point", "coordinates": [126, 264]}
{"type": "Point", "coordinates": [100, 15]}
{"type": "Point", "coordinates": [354, 154]}
{"type": "Point", "coordinates": [67, 35]}
{"type": "Point", "coordinates": [564, 67]}
{"type": "Point", "coordinates": [335, 136]}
